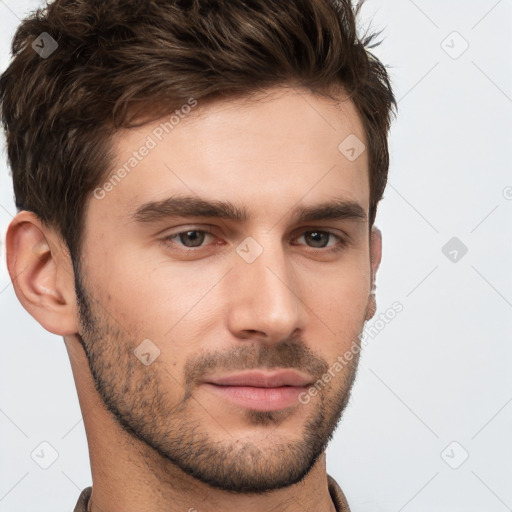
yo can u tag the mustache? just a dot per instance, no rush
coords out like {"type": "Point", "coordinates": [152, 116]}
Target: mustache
{"type": "Point", "coordinates": [289, 354]}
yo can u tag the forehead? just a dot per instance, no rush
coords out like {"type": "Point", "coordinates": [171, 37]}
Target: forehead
{"type": "Point", "coordinates": [269, 151]}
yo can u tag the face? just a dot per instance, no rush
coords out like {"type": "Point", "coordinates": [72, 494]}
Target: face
{"type": "Point", "coordinates": [175, 291]}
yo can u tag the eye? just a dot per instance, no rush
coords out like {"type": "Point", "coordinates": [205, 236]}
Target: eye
{"type": "Point", "coordinates": [190, 238]}
{"type": "Point", "coordinates": [319, 239]}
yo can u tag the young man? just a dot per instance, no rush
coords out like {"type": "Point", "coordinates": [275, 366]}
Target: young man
{"type": "Point", "coordinates": [197, 183]}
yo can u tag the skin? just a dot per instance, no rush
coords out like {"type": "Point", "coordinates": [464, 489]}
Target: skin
{"type": "Point", "coordinates": [156, 434]}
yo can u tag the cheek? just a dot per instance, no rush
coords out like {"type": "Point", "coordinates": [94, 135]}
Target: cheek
{"type": "Point", "coordinates": [343, 286]}
{"type": "Point", "coordinates": [169, 305]}
{"type": "Point", "coordinates": [340, 305]}
{"type": "Point", "coordinates": [121, 283]}
{"type": "Point", "coordinates": [338, 300]}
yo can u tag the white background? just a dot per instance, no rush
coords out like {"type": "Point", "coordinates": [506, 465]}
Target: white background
{"type": "Point", "coordinates": [439, 372]}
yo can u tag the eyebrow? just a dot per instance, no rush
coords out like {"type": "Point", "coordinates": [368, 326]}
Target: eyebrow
{"type": "Point", "coordinates": [191, 206]}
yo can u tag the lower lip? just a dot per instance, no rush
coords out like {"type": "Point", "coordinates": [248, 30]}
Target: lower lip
{"type": "Point", "coordinates": [261, 399]}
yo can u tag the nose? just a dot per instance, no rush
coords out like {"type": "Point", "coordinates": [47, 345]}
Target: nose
{"type": "Point", "coordinates": [265, 299]}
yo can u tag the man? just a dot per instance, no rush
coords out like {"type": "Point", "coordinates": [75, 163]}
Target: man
{"type": "Point", "coordinates": [197, 183]}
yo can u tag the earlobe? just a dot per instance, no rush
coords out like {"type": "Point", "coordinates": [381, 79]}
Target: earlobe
{"type": "Point", "coordinates": [41, 273]}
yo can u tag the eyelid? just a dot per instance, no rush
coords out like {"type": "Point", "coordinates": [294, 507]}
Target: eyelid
{"type": "Point", "coordinates": [300, 230]}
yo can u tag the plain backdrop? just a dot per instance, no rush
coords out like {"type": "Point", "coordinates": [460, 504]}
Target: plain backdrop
{"type": "Point", "coordinates": [429, 423]}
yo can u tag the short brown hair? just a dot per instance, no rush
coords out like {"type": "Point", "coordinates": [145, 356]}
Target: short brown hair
{"type": "Point", "coordinates": [118, 60]}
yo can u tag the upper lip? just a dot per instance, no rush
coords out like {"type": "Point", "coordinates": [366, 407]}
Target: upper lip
{"type": "Point", "coordinates": [257, 378]}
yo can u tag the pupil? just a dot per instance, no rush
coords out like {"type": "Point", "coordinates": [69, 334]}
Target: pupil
{"type": "Point", "coordinates": [196, 240]}
{"type": "Point", "coordinates": [315, 235]}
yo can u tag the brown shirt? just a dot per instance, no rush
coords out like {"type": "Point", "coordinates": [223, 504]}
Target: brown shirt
{"type": "Point", "coordinates": [337, 497]}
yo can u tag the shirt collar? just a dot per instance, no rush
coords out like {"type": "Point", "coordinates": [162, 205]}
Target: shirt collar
{"type": "Point", "coordinates": [337, 496]}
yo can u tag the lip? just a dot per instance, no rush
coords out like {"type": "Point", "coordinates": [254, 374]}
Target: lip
{"type": "Point", "coordinates": [260, 399]}
{"type": "Point", "coordinates": [260, 379]}
{"type": "Point", "coordinates": [259, 390]}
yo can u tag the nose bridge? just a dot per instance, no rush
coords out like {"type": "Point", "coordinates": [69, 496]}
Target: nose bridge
{"type": "Point", "coordinates": [265, 293]}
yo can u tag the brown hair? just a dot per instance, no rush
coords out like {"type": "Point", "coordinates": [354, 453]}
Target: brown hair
{"type": "Point", "coordinates": [121, 61]}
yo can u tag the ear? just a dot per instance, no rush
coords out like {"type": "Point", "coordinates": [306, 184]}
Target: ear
{"type": "Point", "coordinates": [41, 273]}
{"type": "Point", "coordinates": [375, 257]}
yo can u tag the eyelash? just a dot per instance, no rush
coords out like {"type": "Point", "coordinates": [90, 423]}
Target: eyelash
{"type": "Point", "coordinates": [335, 248]}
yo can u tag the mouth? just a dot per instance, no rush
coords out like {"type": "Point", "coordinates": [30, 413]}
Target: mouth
{"type": "Point", "coordinates": [259, 390]}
